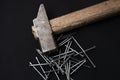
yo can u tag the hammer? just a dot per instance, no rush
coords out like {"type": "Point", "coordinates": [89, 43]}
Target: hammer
{"type": "Point", "coordinates": [43, 28]}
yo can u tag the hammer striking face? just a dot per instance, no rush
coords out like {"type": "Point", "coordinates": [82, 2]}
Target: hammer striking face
{"type": "Point", "coordinates": [43, 31]}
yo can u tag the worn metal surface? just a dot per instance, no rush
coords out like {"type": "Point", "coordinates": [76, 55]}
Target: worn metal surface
{"type": "Point", "coordinates": [43, 30]}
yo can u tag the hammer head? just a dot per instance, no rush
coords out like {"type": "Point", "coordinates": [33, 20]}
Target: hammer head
{"type": "Point", "coordinates": [43, 31]}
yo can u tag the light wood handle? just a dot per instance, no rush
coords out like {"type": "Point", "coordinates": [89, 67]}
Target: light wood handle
{"type": "Point", "coordinates": [85, 16]}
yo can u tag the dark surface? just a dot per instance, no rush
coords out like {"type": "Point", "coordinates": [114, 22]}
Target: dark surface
{"type": "Point", "coordinates": [18, 44]}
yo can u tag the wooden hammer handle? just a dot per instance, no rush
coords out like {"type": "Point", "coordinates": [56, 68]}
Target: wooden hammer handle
{"type": "Point", "coordinates": [85, 16]}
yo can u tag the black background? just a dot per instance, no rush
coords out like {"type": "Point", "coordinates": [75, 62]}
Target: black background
{"type": "Point", "coordinates": [18, 44]}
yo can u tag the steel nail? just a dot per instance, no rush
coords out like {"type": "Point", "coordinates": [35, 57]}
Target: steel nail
{"type": "Point", "coordinates": [84, 52]}
{"type": "Point", "coordinates": [37, 71]}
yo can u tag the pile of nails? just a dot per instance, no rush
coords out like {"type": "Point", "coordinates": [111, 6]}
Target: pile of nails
{"type": "Point", "coordinates": [69, 58]}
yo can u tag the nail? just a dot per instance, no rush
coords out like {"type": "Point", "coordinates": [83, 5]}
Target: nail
{"type": "Point", "coordinates": [52, 67]}
{"type": "Point", "coordinates": [41, 67]}
{"type": "Point", "coordinates": [84, 52]}
{"type": "Point", "coordinates": [56, 74]}
{"type": "Point", "coordinates": [77, 63]}
{"type": "Point", "coordinates": [70, 53]}
{"type": "Point", "coordinates": [63, 42]}
{"type": "Point", "coordinates": [69, 70]}
{"type": "Point", "coordinates": [76, 52]}
{"type": "Point", "coordinates": [78, 67]}
{"type": "Point", "coordinates": [67, 49]}
{"type": "Point", "coordinates": [57, 65]}
{"type": "Point", "coordinates": [42, 56]}
{"type": "Point", "coordinates": [59, 59]}
{"type": "Point", "coordinates": [65, 61]}
{"type": "Point", "coordinates": [37, 71]}
{"type": "Point", "coordinates": [42, 64]}
{"type": "Point", "coordinates": [62, 54]}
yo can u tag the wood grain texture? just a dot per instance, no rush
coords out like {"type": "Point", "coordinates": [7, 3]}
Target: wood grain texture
{"type": "Point", "coordinates": [85, 16]}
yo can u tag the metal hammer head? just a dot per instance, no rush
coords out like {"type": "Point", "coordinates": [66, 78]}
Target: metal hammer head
{"type": "Point", "coordinates": [43, 31]}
